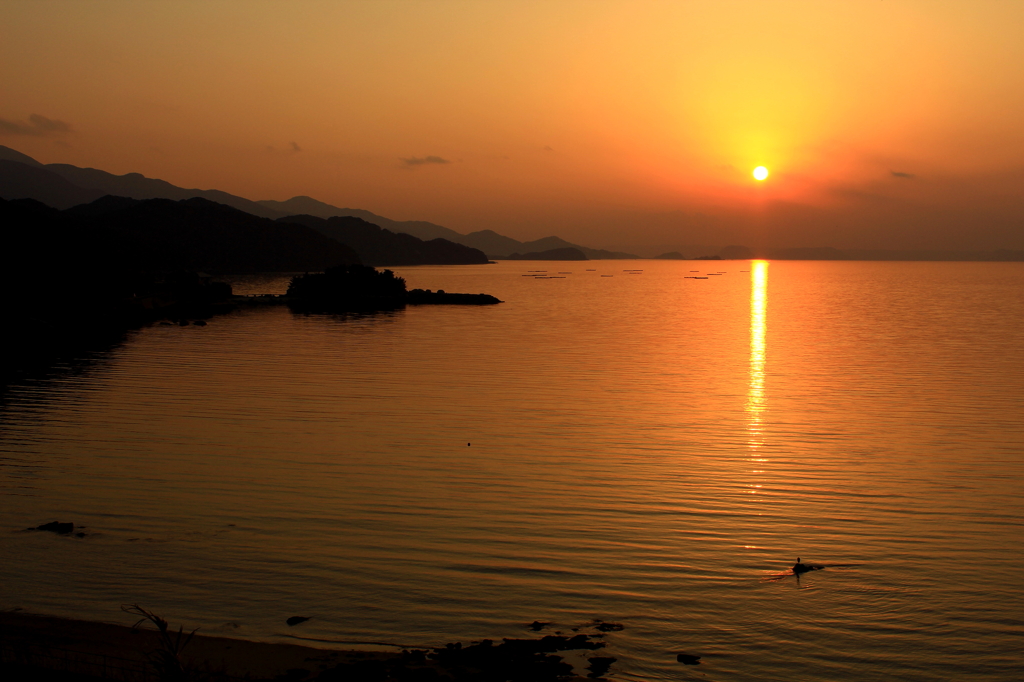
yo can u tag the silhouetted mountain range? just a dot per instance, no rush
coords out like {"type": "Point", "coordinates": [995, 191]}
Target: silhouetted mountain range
{"type": "Point", "coordinates": [62, 186]}
{"type": "Point", "coordinates": [421, 229]}
{"type": "Point", "coordinates": [162, 235]}
{"type": "Point", "coordinates": [377, 246]}
{"type": "Point", "coordinates": [494, 245]}
{"type": "Point", "coordinates": [24, 181]}
{"type": "Point", "coordinates": [567, 253]}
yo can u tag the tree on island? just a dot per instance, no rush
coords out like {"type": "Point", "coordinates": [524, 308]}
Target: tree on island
{"type": "Point", "coordinates": [348, 287]}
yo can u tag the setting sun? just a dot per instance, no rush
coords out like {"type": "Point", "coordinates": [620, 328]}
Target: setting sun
{"type": "Point", "coordinates": [760, 173]}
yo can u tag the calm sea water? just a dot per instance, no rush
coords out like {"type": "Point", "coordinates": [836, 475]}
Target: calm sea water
{"type": "Point", "coordinates": [642, 448]}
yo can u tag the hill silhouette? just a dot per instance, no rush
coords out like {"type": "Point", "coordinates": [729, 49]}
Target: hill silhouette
{"type": "Point", "coordinates": [549, 243]}
{"type": "Point", "coordinates": [303, 205]}
{"type": "Point", "coordinates": [492, 244]}
{"type": "Point", "coordinates": [199, 234]}
{"type": "Point", "coordinates": [8, 154]}
{"type": "Point", "coordinates": [82, 185]}
{"type": "Point", "coordinates": [567, 253]}
{"type": "Point", "coordinates": [163, 235]}
{"type": "Point", "coordinates": [24, 181]}
{"type": "Point", "coordinates": [377, 246]}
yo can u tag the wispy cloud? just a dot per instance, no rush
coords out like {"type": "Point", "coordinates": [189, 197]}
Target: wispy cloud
{"type": "Point", "coordinates": [292, 148]}
{"type": "Point", "coordinates": [422, 160]}
{"type": "Point", "coordinates": [36, 125]}
{"type": "Point", "coordinates": [898, 174]}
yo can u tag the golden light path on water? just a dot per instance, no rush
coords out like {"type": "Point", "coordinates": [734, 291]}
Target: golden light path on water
{"type": "Point", "coordinates": [756, 399]}
{"type": "Point", "coordinates": [630, 460]}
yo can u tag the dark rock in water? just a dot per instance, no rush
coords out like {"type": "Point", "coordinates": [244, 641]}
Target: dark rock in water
{"type": "Point", "coordinates": [183, 323]}
{"type": "Point", "coordinates": [57, 527]}
{"type": "Point", "coordinates": [609, 627]}
{"type": "Point", "coordinates": [599, 665]}
{"type": "Point", "coordinates": [295, 620]}
{"type": "Point", "coordinates": [518, 660]}
{"type": "Point", "coordinates": [200, 323]}
{"type": "Point", "coordinates": [539, 625]}
{"type": "Point", "coordinates": [688, 659]}
{"type": "Point", "coordinates": [513, 659]}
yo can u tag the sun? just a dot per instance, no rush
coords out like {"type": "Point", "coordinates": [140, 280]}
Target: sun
{"type": "Point", "coordinates": [760, 173]}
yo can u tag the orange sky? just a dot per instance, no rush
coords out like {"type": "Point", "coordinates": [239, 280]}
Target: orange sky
{"type": "Point", "coordinates": [607, 123]}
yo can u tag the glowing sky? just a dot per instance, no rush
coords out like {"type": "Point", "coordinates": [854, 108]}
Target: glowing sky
{"type": "Point", "coordinates": [891, 124]}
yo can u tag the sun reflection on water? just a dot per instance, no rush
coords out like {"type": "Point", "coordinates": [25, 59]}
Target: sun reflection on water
{"type": "Point", "coordinates": [756, 398]}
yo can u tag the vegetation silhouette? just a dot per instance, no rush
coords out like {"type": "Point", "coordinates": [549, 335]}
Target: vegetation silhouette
{"type": "Point", "coordinates": [360, 289]}
{"type": "Point", "coordinates": [347, 288]}
{"type": "Point", "coordinates": [166, 660]}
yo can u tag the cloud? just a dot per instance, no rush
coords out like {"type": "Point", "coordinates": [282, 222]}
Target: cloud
{"type": "Point", "coordinates": [291, 148]}
{"type": "Point", "coordinates": [420, 160]}
{"type": "Point", "coordinates": [898, 174]}
{"type": "Point", "coordinates": [36, 125]}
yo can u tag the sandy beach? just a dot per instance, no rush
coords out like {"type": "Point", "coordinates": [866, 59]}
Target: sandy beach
{"type": "Point", "coordinates": [118, 652]}
{"type": "Point", "coordinates": [37, 647]}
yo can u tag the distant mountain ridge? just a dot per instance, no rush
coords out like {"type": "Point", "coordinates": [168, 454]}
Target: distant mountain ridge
{"type": "Point", "coordinates": [379, 246]}
{"type": "Point", "coordinates": [26, 181]}
{"type": "Point", "coordinates": [62, 186]}
{"type": "Point", "coordinates": [155, 235]}
{"type": "Point", "coordinates": [303, 205]}
{"type": "Point", "coordinates": [490, 242]}
{"type": "Point", "coordinates": [92, 183]}
{"type": "Point", "coordinates": [56, 185]}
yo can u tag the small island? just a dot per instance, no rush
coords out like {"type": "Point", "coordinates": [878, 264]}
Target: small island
{"type": "Point", "coordinates": [361, 288]}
